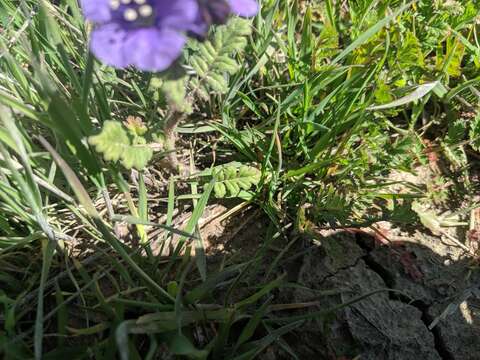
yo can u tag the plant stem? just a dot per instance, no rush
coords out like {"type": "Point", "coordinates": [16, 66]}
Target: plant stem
{"type": "Point", "coordinates": [170, 139]}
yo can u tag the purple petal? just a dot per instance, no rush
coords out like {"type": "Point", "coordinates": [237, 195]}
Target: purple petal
{"type": "Point", "coordinates": [108, 43]}
{"type": "Point", "coordinates": [179, 14]}
{"type": "Point", "coordinates": [152, 49]}
{"type": "Point", "coordinates": [96, 10]}
{"type": "Point", "coordinates": [246, 8]}
{"type": "Point", "coordinates": [198, 28]}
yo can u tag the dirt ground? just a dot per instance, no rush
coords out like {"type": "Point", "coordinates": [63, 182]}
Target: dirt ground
{"type": "Point", "coordinates": [425, 292]}
{"type": "Point", "coordinates": [433, 312]}
{"type": "Point", "coordinates": [423, 288]}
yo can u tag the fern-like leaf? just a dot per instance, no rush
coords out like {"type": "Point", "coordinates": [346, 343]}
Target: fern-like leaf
{"type": "Point", "coordinates": [116, 145]}
{"type": "Point", "coordinates": [453, 149]}
{"type": "Point", "coordinates": [474, 133]}
{"type": "Point", "coordinates": [214, 60]}
{"type": "Point", "coordinates": [456, 132]}
{"type": "Point", "coordinates": [230, 180]}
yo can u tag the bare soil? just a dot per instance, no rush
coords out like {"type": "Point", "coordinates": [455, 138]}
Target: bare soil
{"type": "Point", "coordinates": [424, 302]}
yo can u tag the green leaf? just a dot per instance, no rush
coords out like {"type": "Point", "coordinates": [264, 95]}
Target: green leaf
{"type": "Point", "coordinates": [456, 132]}
{"type": "Point", "coordinates": [181, 345]}
{"type": "Point", "coordinates": [175, 93]}
{"type": "Point", "coordinates": [455, 54]}
{"type": "Point", "coordinates": [474, 133]}
{"type": "Point", "coordinates": [214, 60]}
{"type": "Point", "coordinates": [410, 54]}
{"type": "Point", "coordinates": [230, 180]}
{"type": "Point", "coordinates": [365, 37]}
{"type": "Point", "coordinates": [48, 254]}
{"type": "Point", "coordinates": [115, 145]}
{"type": "Point", "coordinates": [383, 93]}
{"type": "Point", "coordinates": [220, 190]}
{"type": "Point", "coordinates": [420, 92]}
{"type": "Point", "coordinates": [263, 343]}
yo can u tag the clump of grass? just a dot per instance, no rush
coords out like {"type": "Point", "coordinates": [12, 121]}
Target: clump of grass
{"type": "Point", "coordinates": [322, 104]}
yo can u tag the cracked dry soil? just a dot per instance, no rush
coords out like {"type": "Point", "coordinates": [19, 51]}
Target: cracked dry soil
{"type": "Point", "coordinates": [426, 279]}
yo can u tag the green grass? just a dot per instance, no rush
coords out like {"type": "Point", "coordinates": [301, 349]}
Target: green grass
{"type": "Point", "coordinates": [300, 105]}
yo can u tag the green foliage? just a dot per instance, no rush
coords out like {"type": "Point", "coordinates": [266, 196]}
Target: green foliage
{"type": "Point", "coordinates": [214, 59]}
{"type": "Point", "coordinates": [230, 180]}
{"type": "Point", "coordinates": [410, 52]}
{"type": "Point", "coordinates": [328, 42]}
{"type": "Point", "coordinates": [116, 145]}
{"type": "Point", "coordinates": [474, 133]}
{"type": "Point", "coordinates": [453, 147]}
{"type": "Point", "coordinates": [455, 53]}
{"type": "Point", "coordinates": [298, 100]}
{"type": "Point", "coordinates": [175, 93]}
{"type": "Point", "coordinates": [456, 132]}
{"type": "Point", "coordinates": [383, 93]}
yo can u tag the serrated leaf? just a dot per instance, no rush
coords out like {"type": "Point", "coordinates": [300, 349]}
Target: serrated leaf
{"type": "Point", "coordinates": [474, 133]}
{"type": "Point", "coordinates": [115, 145]}
{"type": "Point", "coordinates": [383, 93]}
{"type": "Point", "coordinates": [410, 54]}
{"type": "Point", "coordinates": [455, 54]}
{"type": "Point", "coordinates": [111, 141]}
{"type": "Point", "coordinates": [137, 157]}
{"type": "Point", "coordinates": [456, 131]}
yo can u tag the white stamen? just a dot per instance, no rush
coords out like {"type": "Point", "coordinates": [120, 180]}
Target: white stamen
{"type": "Point", "coordinates": [130, 15]}
{"type": "Point", "coordinates": [145, 10]}
{"type": "Point", "coordinates": [126, 2]}
{"type": "Point", "coordinates": [114, 4]}
{"type": "Point", "coordinates": [139, 2]}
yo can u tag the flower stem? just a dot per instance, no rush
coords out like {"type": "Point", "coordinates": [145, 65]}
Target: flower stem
{"type": "Point", "coordinates": [170, 140]}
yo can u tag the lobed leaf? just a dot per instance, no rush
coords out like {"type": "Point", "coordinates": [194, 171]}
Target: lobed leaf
{"type": "Point", "coordinates": [115, 145]}
{"type": "Point", "coordinates": [230, 180]}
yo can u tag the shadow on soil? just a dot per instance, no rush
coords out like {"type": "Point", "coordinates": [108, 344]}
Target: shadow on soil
{"type": "Point", "coordinates": [430, 308]}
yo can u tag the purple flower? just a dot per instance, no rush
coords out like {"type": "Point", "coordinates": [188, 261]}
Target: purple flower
{"type": "Point", "coordinates": [217, 12]}
{"type": "Point", "coordinates": [150, 34]}
{"type": "Point", "coordinates": [245, 8]}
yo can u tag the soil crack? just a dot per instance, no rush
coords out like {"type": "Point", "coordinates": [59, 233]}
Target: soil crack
{"type": "Point", "coordinates": [387, 277]}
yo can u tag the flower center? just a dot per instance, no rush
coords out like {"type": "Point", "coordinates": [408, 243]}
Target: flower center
{"type": "Point", "coordinates": [134, 13]}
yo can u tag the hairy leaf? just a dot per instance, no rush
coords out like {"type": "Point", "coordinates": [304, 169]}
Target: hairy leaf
{"type": "Point", "coordinates": [214, 60]}
{"type": "Point", "coordinates": [116, 145]}
{"type": "Point", "coordinates": [230, 180]}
